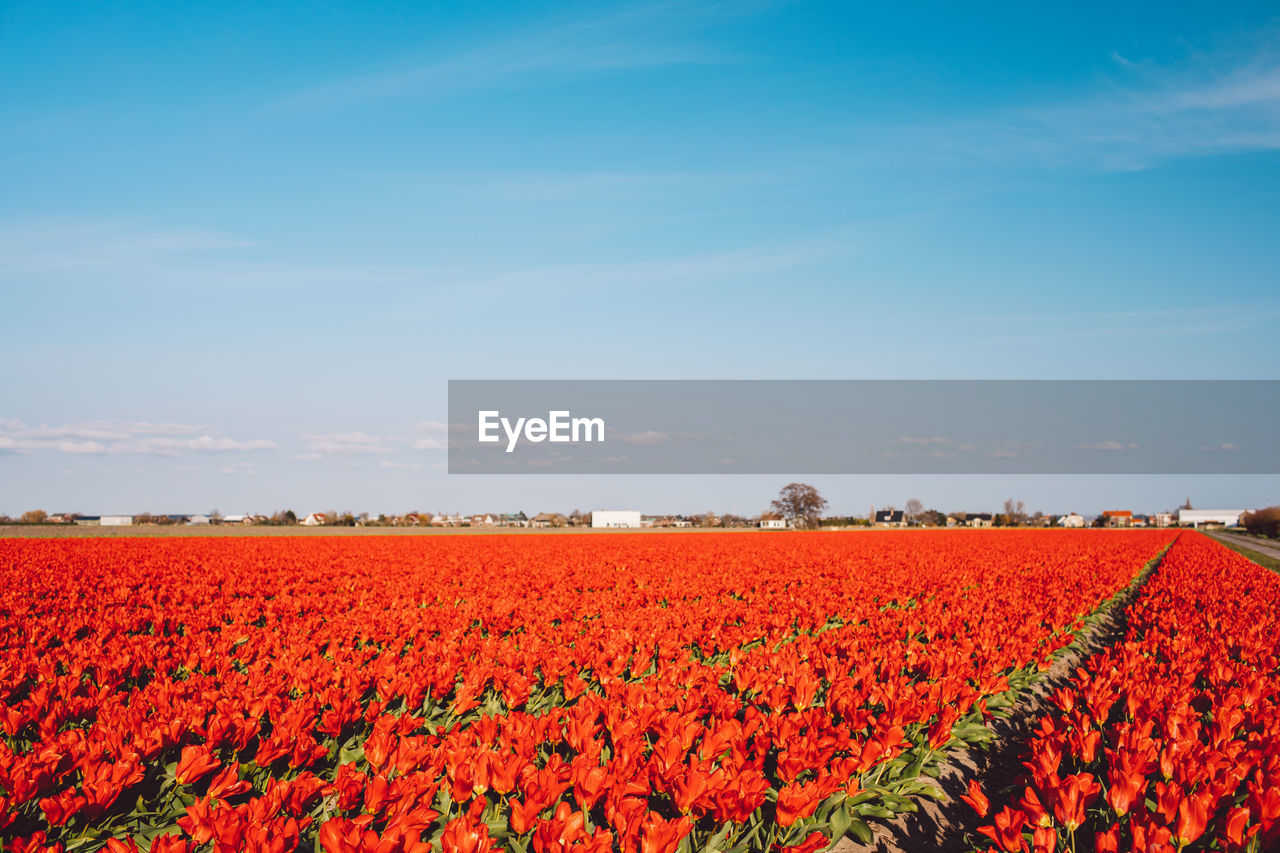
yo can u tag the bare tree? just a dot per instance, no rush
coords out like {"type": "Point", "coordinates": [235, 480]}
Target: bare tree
{"type": "Point", "coordinates": [35, 516]}
{"type": "Point", "coordinates": [914, 508]}
{"type": "Point", "coordinates": [1015, 511]}
{"type": "Point", "coordinates": [800, 503]}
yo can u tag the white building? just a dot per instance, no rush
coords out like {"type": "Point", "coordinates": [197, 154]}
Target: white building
{"type": "Point", "coordinates": [1198, 517]}
{"type": "Point", "coordinates": [314, 520]}
{"type": "Point", "coordinates": [116, 520]}
{"type": "Point", "coordinates": [615, 518]}
{"type": "Point", "coordinates": [773, 524]}
{"type": "Point", "coordinates": [1071, 519]}
{"type": "Point", "coordinates": [198, 519]}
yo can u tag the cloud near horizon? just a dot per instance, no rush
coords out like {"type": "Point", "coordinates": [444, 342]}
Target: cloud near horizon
{"type": "Point", "coordinates": [1107, 446]}
{"type": "Point", "coordinates": [122, 438]}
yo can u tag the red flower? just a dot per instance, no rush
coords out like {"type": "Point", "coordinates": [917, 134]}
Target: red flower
{"type": "Point", "coordinates": [1074, 796]}
{"type": "Point", "coordinates": [1237, 820]}
{"type": "Point", "coordinates": [663, 836]}
{"type": "Point", "coordinates": [228, 783]}
{"type": "Point", "coordinates": [976, 799]}
{"type": "Point", "coordinates": [559, 834]}
{"type": "Point", "coordinates": [797, 801]}
{"type": "Point", "coordinates": [524, 814]}
{"type": "Point", "coordinates": [1193, 815]}
{"type": "Point", "coordinates": [1007, 831]}
{"type": "Point", "coordinates": [815, 841]}
{"type": "Point", "coordinates": [461, 836]}
{"type": "Point", "coordinates": [1126, 788]}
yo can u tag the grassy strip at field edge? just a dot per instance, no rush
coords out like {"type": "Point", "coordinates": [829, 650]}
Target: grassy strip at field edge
{"type": "Point", "coordinates": [1261, 559]}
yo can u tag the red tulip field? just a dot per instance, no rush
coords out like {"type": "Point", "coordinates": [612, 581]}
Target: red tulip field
{"type": "Point", "coordinates": [1171, 740]}
{"type": "Point", "coordinates": [638, 693]}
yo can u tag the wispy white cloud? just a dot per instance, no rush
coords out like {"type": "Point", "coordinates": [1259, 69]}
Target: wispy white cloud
{"type": "Point", "coordinates": [201, 444]}
{"type": "Point", "coordinates": [526, 187]}
{"type": "Point", "coordinates": [1220, 101]}
{"type": "Point", "coordinates": [432, 435]}
{"type": "Point", "coordinates": [340, 446]}
{"type": "Point", "coordinates": [645, 36]}
{"type": "Point", "coordinates": [647, 438]}
{"type": "Point", "coordinates": [136, 272]}
{"type": "Point", "coordinates": [1107, 446]}
{"type": "Point", "coordinates": [52, 246]}
{"type": "Point", "coordinates": [389, 464]}
{"type": "Point", "coordinates": [316, 445]}
{"type": "Point", "coordinates": [910, 439]}
{"type": "Point", "coordinates": [687, 270]}
{"type": "Point", "coordinates": [122, 438]}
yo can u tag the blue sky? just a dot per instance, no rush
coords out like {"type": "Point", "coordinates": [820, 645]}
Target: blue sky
{"type": "Point", "coordinates": [243, 248]}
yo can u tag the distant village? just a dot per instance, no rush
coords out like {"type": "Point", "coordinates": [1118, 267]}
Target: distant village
{"type": "Point", "coordinates": [885, 517]}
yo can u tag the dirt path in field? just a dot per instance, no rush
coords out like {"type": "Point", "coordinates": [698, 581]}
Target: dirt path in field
{"type": "Point", "coordinates": [944, 826]}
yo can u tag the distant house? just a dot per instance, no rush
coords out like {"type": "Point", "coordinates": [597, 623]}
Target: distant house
{"type": "Point", "coordinates": [978, 519]}
{"type": "Point", "coordinates": [615, 518]}
{"type": "Point", "coordinates": [1209, 517]}
{"type": "Point", "coordinates": [548, 519]}
{"type": "Point", "coordinates": [198, 519]}
{"type": "Point", "coordinates": [1071, 519]}
{"type": "Point", "coordinates": [116, 520]}
{"type": "Point", "coordinates": [890, 518]}
{"type": "Point", "coordinates": [1161, 519]}
{"type": "Point", "coordinates": [482, 520]}
{"type": "Point", "coordinates": [237, 519]}
{"type": "Point", "coordinates": [773, 524]}
{"type": "Point", "coordinates": [1117, 518]}
{"type": "Point", "coordinates": [315, 519]}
